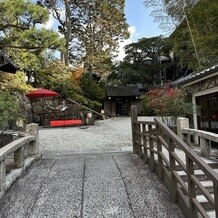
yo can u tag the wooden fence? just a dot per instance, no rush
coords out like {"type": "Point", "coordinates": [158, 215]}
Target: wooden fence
{"type": "Point", "coordinates": [20, 153]}
{"type": "Point", "coordinates": [176, 164]}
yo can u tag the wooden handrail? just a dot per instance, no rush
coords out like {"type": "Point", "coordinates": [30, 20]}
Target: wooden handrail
{"type": "Point", "coordinates": [168, 141]}
{"type": "Point", "coordinates": [204, 134]}
{"type": "Point", "coordinates": [182, 145]}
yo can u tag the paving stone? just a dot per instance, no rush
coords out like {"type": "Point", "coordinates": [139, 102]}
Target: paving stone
{"type": "Point", "coordinates": [59, 198]}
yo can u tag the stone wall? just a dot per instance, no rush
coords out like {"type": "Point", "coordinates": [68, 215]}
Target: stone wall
{"type": "Point", "coordinates": [25, 107]}
{"type": "Point", "coordinates": [43, 110]}
{"type": "Point", "coordinates": [53, 108]}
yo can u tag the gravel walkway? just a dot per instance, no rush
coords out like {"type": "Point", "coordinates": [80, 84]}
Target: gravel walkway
{"type": "Point", "coordinates": [107, 135]}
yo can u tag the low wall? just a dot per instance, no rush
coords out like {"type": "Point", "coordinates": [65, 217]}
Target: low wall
{"type": "Point", "coordinates": [21, 153]}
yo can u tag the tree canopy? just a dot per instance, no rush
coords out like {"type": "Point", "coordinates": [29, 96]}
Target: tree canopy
{"type": "Point", "coordinates": [22, 36]}
{"type": "Point", "coordinates": [195, 24]}
{"type": "Point", "coordinates": [92, 30]}
{"type": "Point", "coordinates": [142, 62]}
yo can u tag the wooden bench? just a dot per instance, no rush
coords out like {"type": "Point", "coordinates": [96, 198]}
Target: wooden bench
{"type": "Point", "coordinates": [55, 123]}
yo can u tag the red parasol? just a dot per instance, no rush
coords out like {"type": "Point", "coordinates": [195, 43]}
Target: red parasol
{"type": "Point", "coordinates": [42, 93]}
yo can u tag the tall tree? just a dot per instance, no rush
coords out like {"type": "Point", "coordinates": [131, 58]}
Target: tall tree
{"type": "Point", "coordinates": [19, 28]}
{"type": "Point", "coordinates": [102, 27]}
{"type": "Point", "coordinates": [22, 35]}
{"type": "Point", "coordinates": [196, 33]}
{"type": "Point", "coordinates": [92, 29]}
{"type": "Point", "coordinates": [143, 62]}
{"type": "Point", "coordinates": [169, 13]}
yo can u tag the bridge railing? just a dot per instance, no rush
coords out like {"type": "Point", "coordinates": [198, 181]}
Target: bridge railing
{"type": "Point", "coordinates": [205, 140]}
{"type": "Point", "coordinates": [175, 163]}
{"type": "Point", "coordinates": [20, 153]}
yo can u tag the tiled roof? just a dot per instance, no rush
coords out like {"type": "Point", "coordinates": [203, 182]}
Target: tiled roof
{"type": "Point", "coordinates": [194, 76]}
{"type": "Point", "coordinates": [122, 91]}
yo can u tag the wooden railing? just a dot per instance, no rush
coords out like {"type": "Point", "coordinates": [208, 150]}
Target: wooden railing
{"type": "Point", "coordinates": [20, 153]}
{"type": "Point", "coordinates": [175, 163]}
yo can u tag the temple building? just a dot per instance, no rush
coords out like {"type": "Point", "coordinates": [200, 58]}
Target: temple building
{"type": "Point", "coordinates": [119, 99]}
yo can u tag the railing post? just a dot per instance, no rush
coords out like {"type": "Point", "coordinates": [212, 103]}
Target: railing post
{"type": "Point", "coordinates": [159, 151]}
{"type": "Point", "coordinates": [151, 146]}
{"type": "Point", "coordinates": [139, 140]}
{"type": "Point", "coordinates": [172, 169]}
{"type": "Point", "coordinates": [205, 147]}
{"type": "Point", "coordinates": [33, 147]}
{"type": "Point", "coordinates": [191, 186]}
{"type": "Point", "coordinates": [187, 138]}
{"type": "Point", "coordinates": [145, 143]}
{"type": "Point", "coordinates": [181, 124]}
{"type": "Point", "coordinates": [19, 157]}
{"type": "Point", "coordinates": [134, 128]}
{"type": "Point", "coordinates": [2, 176]}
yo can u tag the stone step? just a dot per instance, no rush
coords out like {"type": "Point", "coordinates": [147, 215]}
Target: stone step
{"type": "Point", "coordinates": [207, 184]}
{"type": "Point", "coordinates": [198, 173]}
{"type": "Point", "coordinates": [204, 202]}
{"type": "Point", "coordinates": [211, 213]}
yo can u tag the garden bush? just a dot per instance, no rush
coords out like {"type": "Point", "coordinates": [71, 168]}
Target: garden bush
{"type": "Point", "coordinates": [9, 110]}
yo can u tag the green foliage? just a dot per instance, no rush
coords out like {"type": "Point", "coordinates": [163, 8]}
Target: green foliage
{"type": "Point", "coordinates": [18, 20]}
{"type": "Point", "coordinates": [9, 109]}
{"type": "Point", "coordinates": [92, 89]}
{"type": "Point", "coordinates": [201, 24]}
{"type": "Point", "coordinates": [141, 62]}
{"type": "Point", "coordinates": [147, 110]}
{"type": "Point", "coordinates": [92, 30]}
{"type": "Point", "coordinates": [56, 76]}
{"type": "Point", "coordinates": [14, 82]}
{"type": "Point", "coordinates": [22, 35]}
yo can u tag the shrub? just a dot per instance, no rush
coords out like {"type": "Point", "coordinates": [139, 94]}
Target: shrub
{"type": "Point", "coordinates": [147, 110]}
{"type": "Point", "coordinates": [169, 102]}
{"type": "Point", "coordinates": [9, 109]}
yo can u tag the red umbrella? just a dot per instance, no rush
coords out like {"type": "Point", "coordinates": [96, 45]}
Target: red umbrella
{"type": "Point", "coordinates": [42, 93]}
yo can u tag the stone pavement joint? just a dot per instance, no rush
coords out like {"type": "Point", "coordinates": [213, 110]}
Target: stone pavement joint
{"type": "Point", "coordinates": [128, 197]}
{"type": "Point", "coordinates": [83, 185]}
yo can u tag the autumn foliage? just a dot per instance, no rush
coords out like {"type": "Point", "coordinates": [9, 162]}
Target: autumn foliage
{"type": "Point", "coordinates": [169, 102]}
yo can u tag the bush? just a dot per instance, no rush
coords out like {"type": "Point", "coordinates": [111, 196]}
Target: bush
{"type": "Point", "coordinates": [169, 102]}
{"type": "Point", "coordinates": [9, 109]}
{"type": "Point", "coordinates": [147, 110]}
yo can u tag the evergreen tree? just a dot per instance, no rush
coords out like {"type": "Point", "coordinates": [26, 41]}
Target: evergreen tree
{"type": "Point", "coordinates": [92, 30]}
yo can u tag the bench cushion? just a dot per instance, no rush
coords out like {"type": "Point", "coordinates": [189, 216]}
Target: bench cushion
{"type": "Point", "coordinates": [54, 123]}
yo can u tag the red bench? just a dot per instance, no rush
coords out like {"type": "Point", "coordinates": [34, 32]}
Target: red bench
{"type": "Point", "coordinates": [55, 123]}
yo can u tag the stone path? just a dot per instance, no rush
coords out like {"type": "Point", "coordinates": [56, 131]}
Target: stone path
{"type": "Point", "coordinates": [113, 184]}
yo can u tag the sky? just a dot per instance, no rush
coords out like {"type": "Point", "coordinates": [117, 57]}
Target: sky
{"type": "Point", "coordinates": [139, 17]}
{"type": "Point", "coordinates": [141, 24]}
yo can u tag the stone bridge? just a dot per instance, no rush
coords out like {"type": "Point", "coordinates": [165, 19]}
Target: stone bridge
{"type": "Point", "coordinates": [88, 172]}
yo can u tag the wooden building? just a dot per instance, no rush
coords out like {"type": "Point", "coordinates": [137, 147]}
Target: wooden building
{"type": "Point", "coordinates": [204, 88]}
{"type": "Point", "coordinates": [119, 99]}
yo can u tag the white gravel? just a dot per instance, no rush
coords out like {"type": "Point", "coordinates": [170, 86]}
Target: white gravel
{"type": "Point", "coordinates": [113, 134]}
